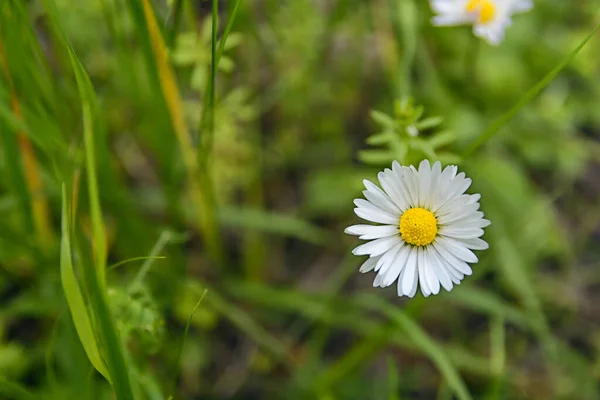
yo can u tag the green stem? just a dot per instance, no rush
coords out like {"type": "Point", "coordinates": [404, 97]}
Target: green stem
{"type": "Point", "coordinates": [526, 98]}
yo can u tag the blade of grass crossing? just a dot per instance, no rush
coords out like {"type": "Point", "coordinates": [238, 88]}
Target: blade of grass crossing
{"type": "Point", "coordinates": [98, 231]}
{"type": "Point", "coordinates": [420, 338]}
{"type": "Point", "coordinates": [115, 361]}
{"type": "Point", "coordinates": [15, 391]}
{"type": "Point", "coordinates": [75, 301]}
{"type": "Point", "coordinates": [87, 96]}
{"type": "Point", "coordinates": [164, 239]}
{"type": "Point", "coordinates": [199, 186]}
{"type": "Point", "coordinates": [185, 335]}
{"type": "Point", "coordinates": [498, 355]}
{"type": "Point", "coordinates": [113, 350]}
{"type": "Point", "coordinates": [208, 103]}
{"type": "Point", "coordinates": [38, 204]}
{"type": "Point", "coordinates": [526, 98]}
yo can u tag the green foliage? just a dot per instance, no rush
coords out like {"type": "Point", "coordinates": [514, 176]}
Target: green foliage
{"type": "Point", "coordinates": [175, 177]}
{"type": "Point", "coordinates": [407, 137]}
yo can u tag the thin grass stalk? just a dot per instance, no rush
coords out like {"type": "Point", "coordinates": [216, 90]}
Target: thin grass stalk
{"type": "Point", "coordinates": [526, 98]}
{"type": "Point", "coordinates": [197, 180]}
{"type": "Point", "coordinates": [33, 180]}
{"type": "Point", "coordinates": [208, 103]}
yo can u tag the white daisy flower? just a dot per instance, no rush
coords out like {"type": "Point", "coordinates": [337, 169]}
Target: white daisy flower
{"type": "Point", "coordinates": [429, 227]}
{"type": "Point", "coordinates": [489, 17]}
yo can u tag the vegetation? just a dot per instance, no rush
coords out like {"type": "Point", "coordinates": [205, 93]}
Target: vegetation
{"type": "Point", "coordinates": [176, 177]}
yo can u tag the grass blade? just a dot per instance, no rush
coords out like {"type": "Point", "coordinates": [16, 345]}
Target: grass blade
{"type": "Point", "coordinates": [38, 204]}
{"type": "Point", "coordinates": [526, 98]}
{"type": "Point", "coordinates": [14, 391]}
{"type": "Point", "coordinates": [75, 301]}
{"type": "Point", "coordinates": [422, 340]}
{"type": "Point", "coordinates": [285, 225]}
{"type": "Point", "coordinates": [208, 103]}
{"type": "Point", "coordinates": [98, 231]}
{"type": "Point", "coordinates": [185, 335]}
{"type": "Point", "coordinates": [199, 187]}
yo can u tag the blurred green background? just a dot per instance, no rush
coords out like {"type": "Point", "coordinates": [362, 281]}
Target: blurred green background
{"type": "Point", "coordinates": [137, 178]}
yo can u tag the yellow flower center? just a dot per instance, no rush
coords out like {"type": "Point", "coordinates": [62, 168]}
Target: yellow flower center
{"type": "Point", "coordinates": [418, 226]}
{"type": "Point", "coordinates": [486, 9]}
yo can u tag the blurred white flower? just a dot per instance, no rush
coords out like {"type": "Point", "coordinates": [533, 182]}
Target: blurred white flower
{"type": "Point", "coordinates": [489, 17]}
{"type": "Point", "coordinates": [429, 227]}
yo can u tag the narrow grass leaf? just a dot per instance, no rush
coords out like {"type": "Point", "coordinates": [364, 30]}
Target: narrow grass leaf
{"type": "Point", "coordinates": [185, 335]}
{"type": "Point", "coordinates": [133, 259]}
{"type": "Point", "coordinates": [199, 184]}
{"type": "Point", "coordinates": [526, 98]}
{"type": "Point", "coordinates": [265, 221]}
{"type": "Point", "coordinates": [88, 102]}
{"type": "Point", "coordinates": [164, 239]}
{"type": "Point", "coordinates": [38, 204]}
{"type": "Point", "coordinates": [246, 324]}
{"type": "Point", "coordinates": [74, 297]}
{"type": "Point", "coordinates": [208, 104]}
{"type": "Point", "coordinates": [422, 340]}
{"type": "Point", "coordinates": [14, 391]}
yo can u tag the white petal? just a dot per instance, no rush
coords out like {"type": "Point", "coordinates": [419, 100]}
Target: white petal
{"type": "Point", "coordinates": [493, 32]}
{"type": "Point", "coordinates": [463, 223]}
{"type": "Point", "coordinates": [425, 289]}
{"type": "Point", "coordinates": [454, 273]}
{"type": "Point", "coordinates": [457, 187]}
{"type": "Point", "coordinates": [376, 247]}
{"type": "Point", "coordinates": [457, 249]}
{"type": "Point", "coordinates": [451, 19]}
{"type": "Point", "coordinates": [461, 233]}
{"type": "Point", "coordinates": [439, 268]}
{"type": "Point", "coordinates": [436, 174]}
{"type": "Point", "coordinates": [409, 280]}
{"type": "Point", "coordinates": [379, 198]}
{"type": "Point", "coordinates": [446, 6]}
{"type": "Point", "coordinates": [452, 260]}
{"type": "Point", "coordinates": [380, 216]}
{"type": "Point", "coordinates": [475, 244]}
{"type": "Point", "coordinates": [424, 183]}
{"type": "Point", "coordinates": [475, 198]}
{"type": "Point", "coordinates": [518, 6]}
{"type": "Point", "coordinates": [395, 188]}
{"type": "Point", "coordinates": [367, 232]}
{"type": "Point", "coordinates": [396, 268]}
{"type": "Point", "coordinates": [377, 280]}
{"type": "Point", "coordinates": [432, 280]}
{"type": "Point", "coordinates": [461, 217]}
{"type": "Point", "coordinates": [386, 259]}
{"type": "Point", "coordinates": [456, 204]}
{"type": "Point", "coordinates": [369, 264]}
{"type": "Point", "coordinates": [410, 182]}
{"type": "Point", "coordinates": [444, 182]}
{"type": "Point", "coordinates": [457, 214]}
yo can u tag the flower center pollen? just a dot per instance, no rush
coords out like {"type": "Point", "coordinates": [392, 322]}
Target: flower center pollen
{"type": "Point", "coordinates": [418, 226]}
{"type": "Point", "coordinates": [485, 8]}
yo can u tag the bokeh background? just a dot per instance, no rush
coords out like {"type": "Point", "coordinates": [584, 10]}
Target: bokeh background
{"type": "Point", "coordinates": [240, 200]}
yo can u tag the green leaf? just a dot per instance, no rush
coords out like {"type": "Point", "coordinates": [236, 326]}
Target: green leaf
{"type": "Point", "coordinates": [88, 108]}
{"type": "Point", "coordinates": [382, 118]}
{"type": "Point", "coordinates": [376, 157]}
{"type": "Point", "coordinates": [430, 122]}
{"type": "Point", "coordinates": [75, 301]}
{"type": "Point", "coordinates": [379, 138]}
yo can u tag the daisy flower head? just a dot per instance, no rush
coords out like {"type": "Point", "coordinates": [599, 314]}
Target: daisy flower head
{"type": "Point", "coordinates": [427, 228]}
{"type": "Point", "coordinates": [489, 18]}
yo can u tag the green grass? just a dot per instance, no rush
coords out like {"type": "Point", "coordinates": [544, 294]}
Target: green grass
{"type": "Point", "coordinates": [175, 178]}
